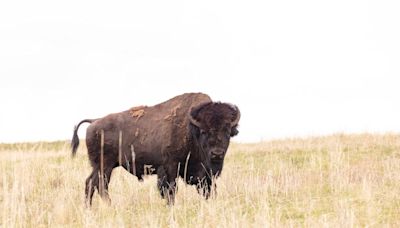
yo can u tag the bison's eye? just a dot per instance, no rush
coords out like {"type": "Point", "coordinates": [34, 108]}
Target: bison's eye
{"type": "Point", "coordinates": [202, 132]}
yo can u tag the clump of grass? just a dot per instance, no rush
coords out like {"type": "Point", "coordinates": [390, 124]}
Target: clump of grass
{"type": "Point", "coordinates": [37, 146]}
{"type": "Point", "coordinates": [339, 181]}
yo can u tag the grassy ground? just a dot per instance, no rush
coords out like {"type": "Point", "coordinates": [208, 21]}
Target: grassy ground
{"type": "Point", "coordinates": [334, 181]}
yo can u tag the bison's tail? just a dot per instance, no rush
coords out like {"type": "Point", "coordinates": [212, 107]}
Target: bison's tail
{"type": "Point", "coordinates": [75, 138]}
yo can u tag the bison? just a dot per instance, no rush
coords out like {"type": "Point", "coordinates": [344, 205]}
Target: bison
{"type": "Point", "coordinates": [186, 136]}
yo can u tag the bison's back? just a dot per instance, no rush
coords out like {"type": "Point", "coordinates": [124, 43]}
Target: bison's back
{"type": "Point", "coordinates": [151, 130]}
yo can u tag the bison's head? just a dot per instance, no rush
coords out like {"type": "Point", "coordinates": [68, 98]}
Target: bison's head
{"type": "Point", "coordinates": [212, 125]}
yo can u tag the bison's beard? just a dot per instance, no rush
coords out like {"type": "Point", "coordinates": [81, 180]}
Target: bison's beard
{"type": "Point", "coordinates": [216, 167]}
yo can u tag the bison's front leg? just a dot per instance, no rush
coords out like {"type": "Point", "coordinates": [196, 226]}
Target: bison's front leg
{"type": "Point", "coordinates": [161, 180]}
{"type": "Point", "coordinates": [204, 187]}
{"type": "Point", "coordinates": [167, 182]}
{"type": "Point", "coordinates": [207, 187]}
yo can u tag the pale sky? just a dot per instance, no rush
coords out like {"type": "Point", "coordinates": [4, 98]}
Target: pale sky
{"type": "Point", "coordinates": [294, 68]}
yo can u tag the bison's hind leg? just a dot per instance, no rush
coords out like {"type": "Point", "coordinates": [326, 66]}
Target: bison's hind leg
{"type": "Point", "coordinates": [90, 187]}
{"type": "Point", "coordinates": [93, 183]}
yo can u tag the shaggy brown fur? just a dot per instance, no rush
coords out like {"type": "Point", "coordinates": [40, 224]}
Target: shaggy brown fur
{"type": "Point", "coordinates": [189, 127]}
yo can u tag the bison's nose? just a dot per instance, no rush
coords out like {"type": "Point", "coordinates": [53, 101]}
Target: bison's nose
{"type": "Point", "coordinates": [217, 154]}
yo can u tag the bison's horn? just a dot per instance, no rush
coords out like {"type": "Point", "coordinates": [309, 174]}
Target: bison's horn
{"type": "Point", "coordinates": [194, 122]}
{"type": "Point", "coordinates": [236, 121]}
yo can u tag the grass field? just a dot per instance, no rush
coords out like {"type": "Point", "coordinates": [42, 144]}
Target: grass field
{"type": "Point", "coordinates": [333, 181]}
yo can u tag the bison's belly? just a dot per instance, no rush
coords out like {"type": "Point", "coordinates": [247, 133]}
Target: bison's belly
{"type": "Point", "coordinates": [147, 158]}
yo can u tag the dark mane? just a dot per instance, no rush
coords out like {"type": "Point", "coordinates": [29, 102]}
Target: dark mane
{"type": "Point", "coordinates": [215, 114]}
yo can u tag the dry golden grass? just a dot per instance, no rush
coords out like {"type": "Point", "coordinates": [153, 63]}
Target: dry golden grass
{"type": "Point", "coordinates": [334, 181]}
